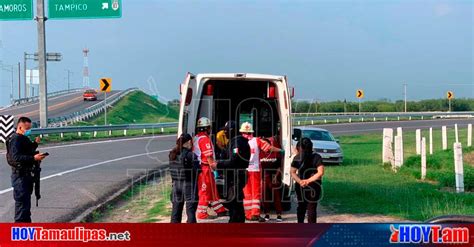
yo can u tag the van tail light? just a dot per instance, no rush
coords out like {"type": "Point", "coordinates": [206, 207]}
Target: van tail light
{"type": "Point", "coordinates": [189, 97]}
{"type": "Point", "coordinates": [209, 90]}
{"type": "Point", "coordinates": [271, 91]}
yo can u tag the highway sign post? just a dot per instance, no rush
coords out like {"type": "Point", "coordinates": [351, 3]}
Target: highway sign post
{"type": "Point", "coordinates": [360, 95]}
{"type": "Point", "coordinates": [11, 10]}
{"type": "Point", "coordinates": [449, 95]}
{"type": "Point", "coordinates": [84, 9]}
{"type": "Point", "coordinates": [105, 86]}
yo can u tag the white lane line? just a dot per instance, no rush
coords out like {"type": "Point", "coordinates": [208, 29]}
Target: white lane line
{"type": "Point", "coordinates": [90, 166]}
{"type": "Point", "coordinates": [99, 142]}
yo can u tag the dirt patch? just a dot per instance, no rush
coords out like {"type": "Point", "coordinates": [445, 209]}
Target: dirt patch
{"type": "Point", "coordinates": [145, 203]}
{"type": "Point", "coordinates": [469, 158]}
{"type": "Point", "coordinates": [151, 203]}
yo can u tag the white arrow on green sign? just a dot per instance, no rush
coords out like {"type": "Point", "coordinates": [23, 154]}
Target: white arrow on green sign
{"type": "Point", "coordinates": [84, 9]}
{"type": "Point", "coordinates": [16, 10]}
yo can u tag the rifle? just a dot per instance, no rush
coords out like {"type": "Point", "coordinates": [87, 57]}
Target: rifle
{"type": "Point", "coordinates": [36, 172]}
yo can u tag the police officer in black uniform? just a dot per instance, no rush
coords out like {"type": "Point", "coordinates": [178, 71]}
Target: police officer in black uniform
{"type": "Point", "coordinates": [184, 167]}
{"type": "Point", "coordinates": [235, 174]}
{"type": "Point", "coordinates": [22, 156]}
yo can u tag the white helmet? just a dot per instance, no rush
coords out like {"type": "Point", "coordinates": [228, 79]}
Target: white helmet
{"type": "Point", "coordinates": [246, 128]}
{"type": "Point", "coordinates": [203, 122]}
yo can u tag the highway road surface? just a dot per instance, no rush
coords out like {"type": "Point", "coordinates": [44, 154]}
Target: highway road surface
{"type": "Point", "coordinates": [77, 176]}
{"type": "Point", "coordinates": [58, 106]}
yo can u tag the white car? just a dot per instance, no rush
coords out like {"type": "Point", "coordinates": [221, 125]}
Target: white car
{"type": "Point", "coordinates": [324, 143]}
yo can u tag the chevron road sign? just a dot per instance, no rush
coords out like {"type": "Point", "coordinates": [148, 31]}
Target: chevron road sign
{"type": "Point", "coordinates": [6, 127]}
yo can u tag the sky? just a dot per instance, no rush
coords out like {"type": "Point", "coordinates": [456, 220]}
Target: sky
{"type": "Point", "coordinates": [328, 49]}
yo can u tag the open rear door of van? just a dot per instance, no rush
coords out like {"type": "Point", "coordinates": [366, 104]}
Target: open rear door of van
{"type": "Point", "coordinates": [186, 110]}
{"type": "Point", "coordinates": [286, 131]}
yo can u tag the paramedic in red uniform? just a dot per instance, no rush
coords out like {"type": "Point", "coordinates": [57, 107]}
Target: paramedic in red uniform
{"type": "Point", "coordinates": [203, 148]}
{"type": "Point", "coordinates": [252, 191]}
{"type": "Point", "coordinates": [271, 171]}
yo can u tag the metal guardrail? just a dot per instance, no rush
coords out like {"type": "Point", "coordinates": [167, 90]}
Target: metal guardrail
{"type": "Point", "coordinates": [296, 121]}
{"type": "Point", "coordinates": [88, 112]}
{"type": "Point", "coordinates": [36, 98]}
{"type": "Point", "coordinates": [383, 114]}
{"type": "Point", "coordinates": [379, 115]}
{"type": "Point", "coordinates": [76, 129]}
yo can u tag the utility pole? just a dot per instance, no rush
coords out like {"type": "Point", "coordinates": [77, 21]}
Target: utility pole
{"type": "Point", "coordinates": [12, 71]}
{"type": "Point", "coordinates": [405, 95]}
{"type": "Point", "coordinates": [19, 81]}
{"type": "Point", "coordinates": [24, 73]}
{"type": "Point", "coordinates": [68, 79]}
{"type": "Point", "coordinates": [11, 92]}
{"type": "Point", "coordinates": [345, 107]}
{"type": "Point", "coordinates": [43, 89]}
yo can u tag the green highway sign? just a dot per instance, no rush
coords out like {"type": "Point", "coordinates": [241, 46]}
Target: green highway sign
{"type": "Point", "coordinates": [84, 9]}
{"type": "Point", "coordinates": [16, 10]}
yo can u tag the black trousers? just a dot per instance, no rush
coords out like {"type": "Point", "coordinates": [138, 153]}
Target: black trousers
{"type": "Point", "coordinates": [22, 188]}
{"type": "Point", "coordinates": [235, 203]}
{"type": "Point", "coordinates": [308, 198]}
{"type": "Point", "coordinates": [184, 193]}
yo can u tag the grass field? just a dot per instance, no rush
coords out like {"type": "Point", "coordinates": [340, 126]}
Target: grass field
{"type": "Point", "coordinates": [137, 107]}
{"type": "Point", "coordinates": [364, 185]}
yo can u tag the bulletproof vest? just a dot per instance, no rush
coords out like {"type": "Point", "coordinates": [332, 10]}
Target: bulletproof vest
{"type": "Point", "coordinates": [177, 170]}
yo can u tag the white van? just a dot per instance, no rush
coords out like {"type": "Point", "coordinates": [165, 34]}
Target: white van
{"type": "Point", "coordinates": [263, 100]}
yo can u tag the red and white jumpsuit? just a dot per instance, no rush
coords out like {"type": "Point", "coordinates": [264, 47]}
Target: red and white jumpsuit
{"type": "Point", "coordinates": [253, 189]}
{"type": "Point", "coordinates": [208, 194]}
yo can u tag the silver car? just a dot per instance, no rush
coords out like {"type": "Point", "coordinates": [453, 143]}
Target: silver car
{"type": "Point", "coordinates": [324, 143]}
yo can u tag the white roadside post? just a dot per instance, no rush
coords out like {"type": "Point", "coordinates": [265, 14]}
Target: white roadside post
{"type": "Point", "coordinates": [400, 133]}
{"type": "Point", "coordinates": [418, 140]}
{"type": "Point", "coordinates": [387, 150]}
{"type": "Point", "coordinates": [444, 136]}
{"type": "Point", "coordinates": [398, 153]}
{"type": "Point", "coordinates": [423, 158]}
{"type": "Point", "coordinates": [458, 167]}
{"type": "Point", "coordinates": [431, 141]}
{"type": "Point", "coordinates": [469, 135]}
{"type": "Point", "coordinates": [456, 133]}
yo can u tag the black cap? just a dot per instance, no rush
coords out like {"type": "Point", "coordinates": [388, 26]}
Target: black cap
{"type": "Point", "coordinates": [185, 137]}
{"type": "Point", "coordinates": [229, 125]}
